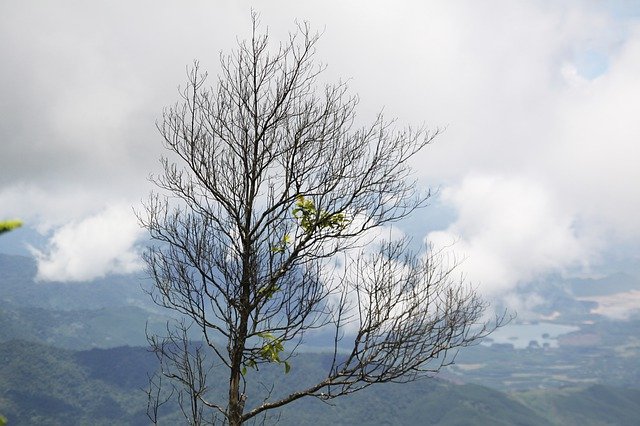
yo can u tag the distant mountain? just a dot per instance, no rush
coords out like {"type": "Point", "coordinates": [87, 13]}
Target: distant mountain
{"type": "Point", "coordinates": [619, 282]}
{"type": "Point", "coordinates": [19, 288]}
{"type": "Point", "coordinates": [48, 377]}
{"type": "Point", "coordinates": [42, 385]}
{"type": "Point", "coordinates": [595, 405]}
{"type": "Point", "coordinates": [426, 402]}
{"type": "Point", "coordinates": [48, 386]}
{"type": "Point", "coordinates": [83, 329]}
{"type": "Point", "coordinates": [109, 312]}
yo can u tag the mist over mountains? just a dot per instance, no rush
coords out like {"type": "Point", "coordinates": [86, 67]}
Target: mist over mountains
{"type": "Point", "coordinates": [75, 353]}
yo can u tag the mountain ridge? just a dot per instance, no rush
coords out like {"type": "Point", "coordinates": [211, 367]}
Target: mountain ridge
{"type": "Point", "coordinates": [46, 385]}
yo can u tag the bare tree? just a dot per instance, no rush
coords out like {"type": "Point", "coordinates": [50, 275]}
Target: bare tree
{"type": "Point", "coordinates": [266, 230]}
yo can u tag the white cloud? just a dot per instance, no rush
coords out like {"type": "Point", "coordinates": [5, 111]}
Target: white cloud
{"type": "Point", "coordinates": [620, 306]}
{"type": "Point", "coordinates": [98, 245]}
{"type": "Point", "coordinates": [514, 82]}
{"type": "Point", "coordinates": [509, 231]}
{"type": "Point", "coordinates": [540, 158]}
{"type": "Point", "coordinates": [593, 158]}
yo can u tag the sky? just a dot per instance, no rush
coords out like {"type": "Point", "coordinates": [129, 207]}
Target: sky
{"type": "Point", "coordinates": [536, 171]}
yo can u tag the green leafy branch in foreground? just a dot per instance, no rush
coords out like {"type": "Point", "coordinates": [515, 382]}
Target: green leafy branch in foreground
{"type": "Point", "coordinates": [6, 226]}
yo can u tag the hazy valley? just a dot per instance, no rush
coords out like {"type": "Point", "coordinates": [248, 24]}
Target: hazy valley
{"type": "Point", "coordinates": [74, 353]}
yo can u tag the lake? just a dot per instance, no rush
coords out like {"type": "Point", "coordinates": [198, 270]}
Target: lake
{"type": "Point", "coordinates": [519, 335]}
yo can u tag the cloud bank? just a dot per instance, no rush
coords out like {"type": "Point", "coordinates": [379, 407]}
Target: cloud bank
{"type": "Point", "coordinates": [509, 231]}
{"type": "Point", "coordinates": [540, 99]}
{"type": "Point", "coordinates": [98, 245]}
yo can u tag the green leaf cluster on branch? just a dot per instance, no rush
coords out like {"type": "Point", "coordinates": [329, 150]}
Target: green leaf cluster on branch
{"type": "Point", "coordinates": [311, 219]}
{"type": "Point", "coordinates": [9, 225]}
{"type": "Point", "coordinates": [271, 350]}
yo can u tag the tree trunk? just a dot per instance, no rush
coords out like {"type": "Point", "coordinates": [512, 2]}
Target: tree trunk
{"type": "Point", "coordinates": [236, 398]}
{"type": "Point", "coordinates": [235, 401]}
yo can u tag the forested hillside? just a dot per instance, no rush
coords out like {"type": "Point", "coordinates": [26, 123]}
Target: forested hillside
{"type": "Point", "coordinates": [62, 362]}
{"type": "Point", "coordinates": [50, 386]}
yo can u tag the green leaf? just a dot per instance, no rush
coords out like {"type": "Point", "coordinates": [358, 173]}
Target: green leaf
{"type": "Point", "coordinates": [306, 213]}
{"type": "Point", "coordinates": [268, 292]}
{"type": "Point", "coordinates": [287, 367]}
{"type": "Point", "coordinates": [9, 225]}
{"type": "Point", "coordinates": [266, 335]}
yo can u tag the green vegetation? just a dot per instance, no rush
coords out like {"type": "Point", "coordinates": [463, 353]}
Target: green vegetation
{"type": "Point", "coordinates": [604, 352]}
{"type": "Point", "coordinates": [50, 386]}
{"type": "Point", "coordinates": [595, 405]}
{"type": "Point", "coordinates": [43, 382]}
{"type": "Point", "coordinates": [310, 219]}
{"type": "Point", "coordinates": [6, 226]}
{"type": "Point", "coordinates": [81, 329]}
{"type": "Point", "coordinates": [19, 287]}
{"type": "Point", "coordinates": [426, 402]}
